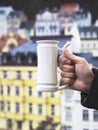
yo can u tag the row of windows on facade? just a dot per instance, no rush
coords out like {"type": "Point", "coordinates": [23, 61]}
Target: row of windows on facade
{"type": "Point", "coordinates": [21, 58]}
{"type": "Point", "coordinates": [85, 117]}
{"type": "Point", "coordinates": [19, 124]}
{"type": "Point", "coordinates": [68, 110]}
{"type": "Point", "coordinates": [85, 114]}
{"type": "Point", "coordinates": [70, 128]}
{"type": "Point", "coordinates": [89, 35]}
{"type": "Point", "coordinates": [50, 28]}
{"type": "Point", "coordinates": [19, 105]}
{"type": "Point", "coordinates": [18, 93]}
{"type": "Point", "coordinates": [89, 46]}
{"type": "Point", "coordinates": [18, 74]}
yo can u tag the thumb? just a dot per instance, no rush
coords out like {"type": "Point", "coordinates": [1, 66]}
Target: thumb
{"type": "Point", "coordinates": [72, 57]}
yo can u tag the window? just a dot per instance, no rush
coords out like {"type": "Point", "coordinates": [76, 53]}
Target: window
{"type": "Point", "coordinates": [85, 129]}
{"type": "Point", "coordinates": [4, 74]}
{"type": "Point", "coordinates": [8, 90]}
{"type": "Point", "coordinates": [95, 115]}
{"type": "Point", "coordinates": [94, 46]}
{"type": "Point", "coordinates": [30, 60]}
{"type": "Point", "coordinates": [19, 60]}
{"type": "Point", "coordinates": [88, 45]}
{"type": "Point", "coordinates": [68, 95]}
{"type": "Point", "coordinates": [68, 114]}
{"type": "Point", "coordinates": [1, 90]}
{"type": "Point", "coordinates": [88, 35]}
{"type": "Point", "coordinates": [85, 115]}
{"type": "Point", "coordinates": [39, 94]}
{"type": "Point", "coordinates": [40, 109]}
{"type": "Point", "coordinates": [94, 35]}
{"type": "Point", "coordinates": [52, 109]}
{"type": "Point", "coordinates": [17, 91]}
{"type": "Point", "coordinates": [17, 107]}
{"type": "Point", "coordinates": [19, 124]}
{"type": "Point", "coordinates": [18, 74]}
{"type": "Point", "coordinates": [52, 94]}
{"type": "Point", "coordinates": [30, 107]}
{"type": "Point", "coordinates": [30, 74]}
{"type": "Point", "coordinates": [82, 35]}
{"type": "Point", "coordinates": [4, 59]}
{"type": "Point", "coordinates": [30, 125]}
{"type": "Point", "coordinates": [9, 123]}
{"type": "Point", "coordinates": [8, 106]}
{"type": "Point", "coordinates": [68, 128]}
{"type": "Point", "coordinates": [11, 46]}
{"type": "Point", "coordinates": [30, 91]}
{"type": "Point", "coordinates": [53, 127]}
{"type": "Point", "coordinates": [2, 105]}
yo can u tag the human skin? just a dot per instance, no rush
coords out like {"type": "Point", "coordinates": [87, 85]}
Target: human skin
{"type": "Point", "coordinates": [75, 72]}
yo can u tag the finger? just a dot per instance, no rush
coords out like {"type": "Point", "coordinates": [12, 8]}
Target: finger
{"type": "Point", "coordinates": [72, 57]}
{"type": "Point", "coordinates": [68, 81]}
{"type": "Point", "coordinates": [67, 68]}
{"type": "Point", "coordinates": [68, 75]}
{"type": "Point", "coordinates": [64, 60]}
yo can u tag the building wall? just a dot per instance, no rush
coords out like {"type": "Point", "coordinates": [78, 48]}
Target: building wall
{"type": "Point", "coordinates": [20, 101]}
{"type": "Point", "coordinates": [74, 116]}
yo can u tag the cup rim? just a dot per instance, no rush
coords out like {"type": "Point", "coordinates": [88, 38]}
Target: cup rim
{"type": "Point", "coordinates": [47, 41]}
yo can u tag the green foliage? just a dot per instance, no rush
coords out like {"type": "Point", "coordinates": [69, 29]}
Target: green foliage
{"type": "Point", "coordinates": [47, 124]}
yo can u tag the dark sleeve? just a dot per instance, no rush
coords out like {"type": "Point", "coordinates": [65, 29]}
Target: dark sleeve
{"type": "Point", "coordinates": [91, 100]}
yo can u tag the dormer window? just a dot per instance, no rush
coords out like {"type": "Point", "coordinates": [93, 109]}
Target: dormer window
{"type": "Point", "coordinates": [88, 35]}
{"type": "Point", "coordinates": [4, 59]}
{"type": "Point", "coordinates": [29, 59]}
{"type": "Point", "coordinates": [18, 60]}
{"type": "Point", "coordinates": [82, 35]}
{"type": "Point", "coordinates": [20, 57]}
{"type": "Point", "coordinates": [94, 35]}
{"type": "Point", "coordinates": [11, 46]}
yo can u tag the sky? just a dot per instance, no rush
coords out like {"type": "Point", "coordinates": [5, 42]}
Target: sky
{"type": "Point", "coordinates": [31, 7]}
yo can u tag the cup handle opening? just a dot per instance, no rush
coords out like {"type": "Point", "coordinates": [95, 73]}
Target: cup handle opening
{"type": "Point", "coordinates": [65, 46]}
{"type": "Point", "coordinates": [62, 49]}
{"type": "Point", "coordinates": [62, 87]}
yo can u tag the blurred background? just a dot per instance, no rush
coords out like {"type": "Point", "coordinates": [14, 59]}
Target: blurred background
{"type": "Point", "coordinates": [24, 22]}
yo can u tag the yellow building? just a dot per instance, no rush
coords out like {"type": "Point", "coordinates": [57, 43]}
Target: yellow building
{"type": "Point", "coordinates": [22, 107]}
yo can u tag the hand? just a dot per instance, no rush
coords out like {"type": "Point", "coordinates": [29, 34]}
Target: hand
{"type": "Point", "coordinates": [76, 72]}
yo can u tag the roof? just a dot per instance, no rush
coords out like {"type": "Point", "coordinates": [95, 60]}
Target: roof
{"type": "Point", "coordinates": [73, 7]}
{"type": "Point", "coordinates": [29, 46]}
{"type": "Point", "coordinates": [5, 38]}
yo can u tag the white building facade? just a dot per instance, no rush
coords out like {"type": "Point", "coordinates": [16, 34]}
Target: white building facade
{"type": "Point", "coordinates": [4, 11]}
{"type": "Point", "coordinates": [47, 24]}
{"type": "Point", "coordinates": [74, 116]}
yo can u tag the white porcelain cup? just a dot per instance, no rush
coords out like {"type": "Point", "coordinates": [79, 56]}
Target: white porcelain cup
{"type": "Point", "coordinates": [47, 52]}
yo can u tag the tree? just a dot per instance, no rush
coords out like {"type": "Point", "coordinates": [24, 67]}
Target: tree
{"type": "Point", "coordinates": [48, 124]}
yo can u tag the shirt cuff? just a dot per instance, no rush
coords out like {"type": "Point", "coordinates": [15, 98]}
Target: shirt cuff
{"type": "Point", "coordinates": [90, 100]}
